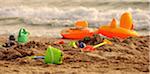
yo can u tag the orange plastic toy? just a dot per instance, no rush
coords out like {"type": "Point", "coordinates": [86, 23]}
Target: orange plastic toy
{"type": "Point", "coordinates": [81, 24]}
{"type": "Point", "coordinates": [124, 31]}
{"type": "Point", "coordinates": [79, 32]}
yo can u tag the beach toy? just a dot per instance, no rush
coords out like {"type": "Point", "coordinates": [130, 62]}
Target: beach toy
{"type": "Point", "coordinates": [82, 44]}
{"type": "Point", "coordinates": [92, 48]}
{"type": "Point", "coordinates": [80, 31]}
{"type": "Point", "coordinates": [124, 31]}
{"type": "Point", "coordinates": [53, 56]}
{"type": "Point", "coordinates": [76, 33]}
{"type": "Point", "coordinates": [11, 41]}
{"type": "Point", "coordinates": [126, 21]}
{"type": "Point", "coordinates": [23, 36]}
{"type": "Point", "coordinates": [12, 37]}
{"type": "Point", "coordinates": [59, 42]}
{"type": "Point", "coordinates": [76, 45]}
{"type": "Point", "coordinates": [73, 44]}
{"type": "Point", "coordinates": [81, 24]}
{"type": "Point", "coordinates": [37, 57]}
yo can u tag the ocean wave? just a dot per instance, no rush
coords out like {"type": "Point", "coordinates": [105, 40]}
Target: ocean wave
{"type": "Point", "coordinates": [67, 16]}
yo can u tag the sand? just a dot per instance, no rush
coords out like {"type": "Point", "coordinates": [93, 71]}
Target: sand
{"type": "Point", "coordinates": [125, 56]}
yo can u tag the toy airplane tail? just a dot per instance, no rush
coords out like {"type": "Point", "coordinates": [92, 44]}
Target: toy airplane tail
{"type": "Point", "coordinates": [113, 23]}
{"type": "Point", "coordinates": [126, 21]}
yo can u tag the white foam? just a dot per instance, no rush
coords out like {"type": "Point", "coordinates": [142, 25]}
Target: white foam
{"type": "Point", "coordinates": [66, 16]}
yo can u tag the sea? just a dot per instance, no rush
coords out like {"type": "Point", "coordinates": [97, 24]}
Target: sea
{"type": "Point", "coordinates": [49, 17]}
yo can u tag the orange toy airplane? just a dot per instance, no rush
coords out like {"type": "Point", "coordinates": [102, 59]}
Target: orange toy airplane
{"type": "Point", "coordinates": [125, 30]}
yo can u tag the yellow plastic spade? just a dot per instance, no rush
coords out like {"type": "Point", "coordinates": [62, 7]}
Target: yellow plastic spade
{"type": "Point", "coordinates": [92, 48]}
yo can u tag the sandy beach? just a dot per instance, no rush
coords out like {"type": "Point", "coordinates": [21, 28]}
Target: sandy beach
{"type": "Point", "coordinates": [128, 56]}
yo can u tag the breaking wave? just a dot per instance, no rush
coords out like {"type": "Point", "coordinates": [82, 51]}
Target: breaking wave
{"type": "Point", "coordinates": [67, 16]}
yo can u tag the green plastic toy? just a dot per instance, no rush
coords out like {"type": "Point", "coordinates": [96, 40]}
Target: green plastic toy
{"type": "Point", "coordinates": [23, 36]}
{"type": "Point", "coordinates": [53, 56]}
{"type": "Point", "coordinates": [73, 44]}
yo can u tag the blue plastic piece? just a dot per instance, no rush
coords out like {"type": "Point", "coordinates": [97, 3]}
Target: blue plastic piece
{"type": "Point", "coordinates": [38, 57]}
{"type": "Point", "coordinates": [82, 45]}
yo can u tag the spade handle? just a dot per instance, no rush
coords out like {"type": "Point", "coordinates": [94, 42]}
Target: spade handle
{"type": "Point", "coordinates": [104, 42]}
{"type": "Point", "coordinates": [98, 45]}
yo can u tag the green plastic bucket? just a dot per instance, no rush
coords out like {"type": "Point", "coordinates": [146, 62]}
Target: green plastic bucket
{"type": "Point", "coordinates": [53, 56]}
{"type": "Point", "coordinates": [23, 36]}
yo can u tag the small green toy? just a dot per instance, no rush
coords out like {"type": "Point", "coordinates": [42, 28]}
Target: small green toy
{"type": "Point", "coordinates": [73, 44]}
{"type": "Point", "coordinates": [23, 36]}
{"type": "Point", "coordinates": [52, 56]}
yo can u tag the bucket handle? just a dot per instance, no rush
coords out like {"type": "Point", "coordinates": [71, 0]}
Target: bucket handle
{"type": "Point", "coordinates": [21, 31]}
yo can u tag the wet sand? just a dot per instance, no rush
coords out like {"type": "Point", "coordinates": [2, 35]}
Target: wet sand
{"type": "Point", "coordinates": [129, 56]}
